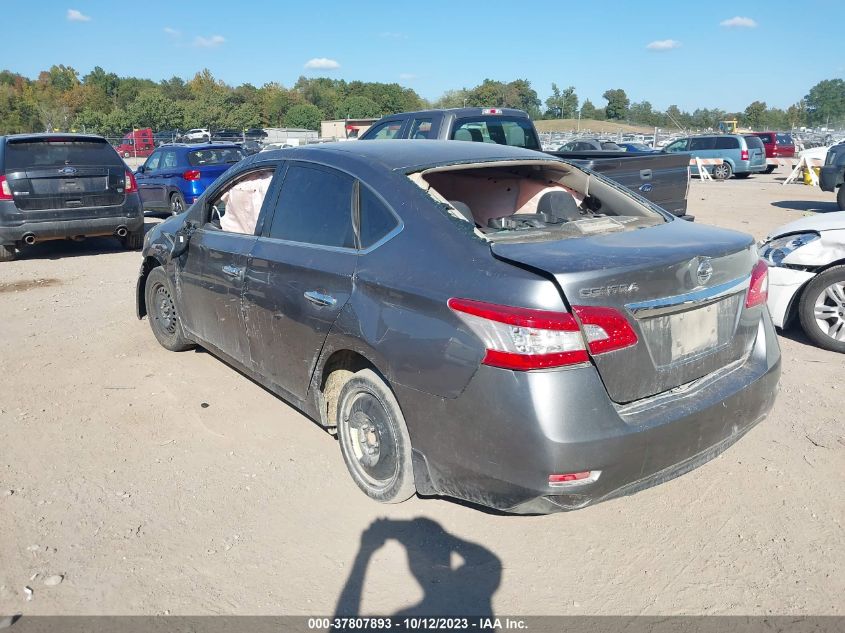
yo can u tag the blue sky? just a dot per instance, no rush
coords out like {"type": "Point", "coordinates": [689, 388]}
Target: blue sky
{"type": "Point", "coordinates": [699, 55]}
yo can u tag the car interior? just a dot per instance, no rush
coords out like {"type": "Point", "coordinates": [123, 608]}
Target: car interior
{"type": "Point", "coordinates": [236, 209]}
{"type": "Point", "coordinates": [515, 197]}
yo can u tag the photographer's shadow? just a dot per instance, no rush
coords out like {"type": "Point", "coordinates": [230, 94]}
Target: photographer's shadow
{"type": "Point", "coordinates": [466, 589]}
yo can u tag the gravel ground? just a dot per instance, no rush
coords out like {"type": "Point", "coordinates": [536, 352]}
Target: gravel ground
{"type": "Point", "coordinates": [138, 481]}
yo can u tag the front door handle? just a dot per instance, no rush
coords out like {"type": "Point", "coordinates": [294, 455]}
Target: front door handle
{"type": "Point", "coordinates": [233, 272]}
{"type": "Point", "coordinates": [320, 299]}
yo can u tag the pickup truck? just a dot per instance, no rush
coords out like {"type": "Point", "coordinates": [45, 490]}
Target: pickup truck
{"type": "Point", "coordinates": [832, 174]}
{"type": "Point", "coordinates": [661, 178]}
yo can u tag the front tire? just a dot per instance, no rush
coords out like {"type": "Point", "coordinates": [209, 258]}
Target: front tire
{"type": "Point", "coordinates": [840, 197]}
{"type": "Point", "coordinates": [770, 168]}
{"type": "Point", "coordinates": [374, 440]}
{"type": "Point", "coordinates": [161, 311]}
{"type": "Point", "coordinates": [722, 171]}
{"type": "Point", "coordinates": [742, 175]}
{"type": "Point", "coordinates": [821, 309]}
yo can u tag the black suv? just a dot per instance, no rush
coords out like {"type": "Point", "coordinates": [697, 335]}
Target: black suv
{"type": "Point", "coordinates": [57, 186]}
{"type": "Point", "coordinates": [832, 175]}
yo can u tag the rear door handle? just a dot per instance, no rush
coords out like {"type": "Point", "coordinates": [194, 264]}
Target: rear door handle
{"type": "Point", "coordinates": [320, 299]}
{"type": "Point", "coordinates": [645, 174]}
{"type": "Point", "coordinates": [233, 272]}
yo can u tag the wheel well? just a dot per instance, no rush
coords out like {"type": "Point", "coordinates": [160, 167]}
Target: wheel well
{"type": "Point", "coordinates": [335, 372]}
{"type": "Point", "coordinates": [792, 309]}
{"type": "Point", "coordinates": [146, 268]}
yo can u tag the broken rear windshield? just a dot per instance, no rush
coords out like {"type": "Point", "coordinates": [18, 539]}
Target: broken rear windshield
{"type": "Point", "coordinates": [58, 152]}
{"type": "Point", "coordinates": [222, 156]}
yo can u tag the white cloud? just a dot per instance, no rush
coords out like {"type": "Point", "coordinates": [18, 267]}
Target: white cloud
{"type": "Point", "coordinates": [407, 76]}
{"type": "Point", "coordinates": [322, 63]}
{"type": "Point", "coordinates": [739, 21]}
{"type": "Point", "coordinates": [172, 31]}
{"type": "Point", "coordinates": [208, 42]}
{"type": "Point", "coordinates": [663, 45]}
{"type": "Point", "coordinates": [77, 16]}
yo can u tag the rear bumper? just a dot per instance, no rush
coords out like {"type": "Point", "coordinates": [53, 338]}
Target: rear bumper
{"type": "Point", "coordinates": [498, 442]}
{"type": "Point", "coordinates": [50, 225]}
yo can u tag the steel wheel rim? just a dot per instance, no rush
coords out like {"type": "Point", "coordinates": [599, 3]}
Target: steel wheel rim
{"type": "Point", "coordinates": [829, 311]}
{"type": "Point", "coordinates": [370, 440]}
{"type": "Point", "coordinates": [175, 205]}
{"type": "Point", "coordinates": [165, 310]}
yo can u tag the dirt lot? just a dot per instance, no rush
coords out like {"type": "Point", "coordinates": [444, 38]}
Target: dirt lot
{"type": "Point", "coordinates": [148, 482]}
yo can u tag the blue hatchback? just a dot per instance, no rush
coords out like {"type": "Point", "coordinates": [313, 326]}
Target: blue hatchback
{"type": "Point", "coordinates": [174, 176]}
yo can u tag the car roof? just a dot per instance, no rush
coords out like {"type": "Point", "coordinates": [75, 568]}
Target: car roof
{"type": "Point", "coordinates": [191, 147]}
{"type": "Point", "coordinates": [460, 112]}
{"type": "Point", "coordinates": [45, 135]}
{"type": "Point", "coordinates": [406, 154]}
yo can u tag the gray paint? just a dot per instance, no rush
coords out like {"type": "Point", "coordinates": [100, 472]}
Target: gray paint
{"type": "Point", "coordinates": [487, 435]}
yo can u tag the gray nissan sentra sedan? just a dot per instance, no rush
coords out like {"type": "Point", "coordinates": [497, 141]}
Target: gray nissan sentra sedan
{"type": "Point", "coordinates": [474, 320]}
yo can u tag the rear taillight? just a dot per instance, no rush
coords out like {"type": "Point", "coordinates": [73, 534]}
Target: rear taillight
{"type": "Point", "coordinates": [758, 290]}
{"type": "Point", "coordinates": [606, 329]}
{"type": "Point", "coordinates": [523, 338]}
{"type": "Point", "coordinates": [743, 154]}
{"type": "Point", "coordinates": [131, 183]}
{"type": "Point", "coordinates": [5, 190]}
{"type": "Point", "coordinates": [191, 174]}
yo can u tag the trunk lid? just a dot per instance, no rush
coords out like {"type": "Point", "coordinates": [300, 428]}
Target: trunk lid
{"type": "Point", "coordinates": [50, 174]}
{"type": "Point", "coordinates": [688, 324]}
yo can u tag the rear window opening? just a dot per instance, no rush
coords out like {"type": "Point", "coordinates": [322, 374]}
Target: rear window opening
{"type": "Point", "coordinates": [57, 152]}
{"type": "Point", "coordinates": [535, 202]}
{"type": "Point", "coordinates": [215, 156]}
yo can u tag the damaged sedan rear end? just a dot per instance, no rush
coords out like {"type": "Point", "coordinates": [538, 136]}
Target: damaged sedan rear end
{"type": "Point", "coordinates": [494, 325]}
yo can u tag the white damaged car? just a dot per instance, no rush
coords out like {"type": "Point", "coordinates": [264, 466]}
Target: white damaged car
{"type": "Point", "coordinates": [807, 277]}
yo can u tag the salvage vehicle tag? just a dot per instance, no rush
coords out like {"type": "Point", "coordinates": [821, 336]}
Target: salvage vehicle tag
{"type": "Point", "coordinates": [694, 331]}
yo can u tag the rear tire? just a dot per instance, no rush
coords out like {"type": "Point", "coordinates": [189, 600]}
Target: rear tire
{"type": "Point", "coordinates": [134, 240]}
{"type": "Point", "coordinates": [161, 311]}
{"type": "Point", "coordinates": [722, 171]}
{"type": "Point", "coordinates": [821, 309]}
{"type": "Point", "coordinates": [374, 440]}
{"type": "Point", "coordinates": [177, 204]}
{"type": "Point", "coordinates": [7, 253]}
{"type": "Point", "coordinates": [840, 197]}
{"type": "Point", "coordinates": [770, 168]}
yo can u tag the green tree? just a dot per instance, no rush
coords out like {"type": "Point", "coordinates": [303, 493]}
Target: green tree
{"type": "Point", "coordinates": [152, 109]}
{"type": "Point", "coordinates": [617, 103]}
{"type": "Point", "coordinates": [569, 103]}
{"type": "Point", "coordinates": [588, 110]}
{"type": "Point", "coordinates": [755, 114]}
{"type": "Point", "coordinates": [826, 101]}
{"type": "Point", "coordinates": [358, 107]}
{"type": "Point", "coordinates": [554, 104]}
{"type": "Point", "coordinates": [304, 115]}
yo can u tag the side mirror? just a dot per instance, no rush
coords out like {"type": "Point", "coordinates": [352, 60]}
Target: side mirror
{"type": "Point", "coordinates": [140, 169]}
{"type": "Point", "coordinates": [181, 239]}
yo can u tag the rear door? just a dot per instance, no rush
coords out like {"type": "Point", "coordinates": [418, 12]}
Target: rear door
{"type": "Point", "coordinates": [299, 275]}
{"type": "Point", "coordinates": [65, 178]}
{"type": "Point", "coordinates": [145, 180]}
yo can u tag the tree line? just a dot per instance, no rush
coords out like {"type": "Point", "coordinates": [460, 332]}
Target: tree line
{"type": "Point", "coordinates": [104, 103]}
